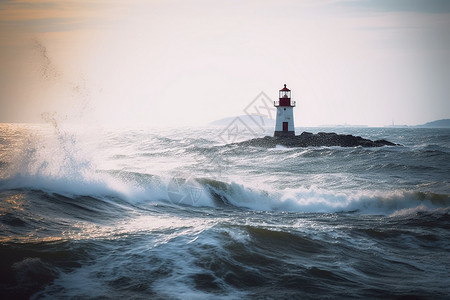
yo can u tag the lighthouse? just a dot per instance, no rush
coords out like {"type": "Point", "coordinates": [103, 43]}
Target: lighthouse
{"type": "Point", "coordinates": [284, 125]}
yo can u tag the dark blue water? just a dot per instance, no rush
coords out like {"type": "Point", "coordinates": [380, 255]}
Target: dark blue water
{"type": "Point", "coordinates": [178, 214]}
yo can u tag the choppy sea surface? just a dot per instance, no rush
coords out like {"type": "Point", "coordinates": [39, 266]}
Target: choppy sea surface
{"type": "Point", "coordinates": [178, 213]}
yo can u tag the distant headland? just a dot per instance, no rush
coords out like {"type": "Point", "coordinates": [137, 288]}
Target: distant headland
{"type": "Point", "coordinates": [444, 123]}
{"type": "Point", "coordinates": [284, 133]}
{"type": "Point", "coordinates": [267, 122]}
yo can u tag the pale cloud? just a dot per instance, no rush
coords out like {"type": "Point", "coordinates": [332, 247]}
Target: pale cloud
{"type": "Point", "coordinates": [60, 12]}
{"type": "Point", "coordinates": [418, 6]}
{"type": "Point", "coordinates": [194, 61]}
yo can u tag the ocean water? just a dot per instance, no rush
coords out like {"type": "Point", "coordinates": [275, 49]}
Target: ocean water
{"type": "Point", "coordinates": [179, 213]}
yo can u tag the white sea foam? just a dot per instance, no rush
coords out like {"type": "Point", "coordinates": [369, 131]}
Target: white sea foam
{"type": "Point", "coordinates": [305, 200]}
{"type": "Point", "coordinates": [315, 200]}
{"type": "Point", "coordinates": [175, 250]}
{"type": "Point", "coordinates": [60, 162]}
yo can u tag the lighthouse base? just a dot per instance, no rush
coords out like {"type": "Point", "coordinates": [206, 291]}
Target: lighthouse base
{"type": "Point", "coordinates": [284, 133]}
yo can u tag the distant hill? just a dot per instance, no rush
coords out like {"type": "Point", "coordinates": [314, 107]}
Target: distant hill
{"type": "Point", "coordinates": [444, 123]}
{"type": "Point", "coordinates": [255, 120]}
{"type": "Point", "coordinates": [250, 121]}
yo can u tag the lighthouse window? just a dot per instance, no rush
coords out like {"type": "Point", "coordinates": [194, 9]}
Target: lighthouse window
{"type": "Point", "coordinates": [285, 94]}
{"type": "Point", "coordinates": [284, 108]}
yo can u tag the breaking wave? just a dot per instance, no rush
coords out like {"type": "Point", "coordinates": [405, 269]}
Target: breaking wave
{"type": "Point", "coordinates": [137, 188]}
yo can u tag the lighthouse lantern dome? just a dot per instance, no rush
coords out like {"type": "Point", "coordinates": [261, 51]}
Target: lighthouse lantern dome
{"type": "Point", "coordinates": [285, 93]}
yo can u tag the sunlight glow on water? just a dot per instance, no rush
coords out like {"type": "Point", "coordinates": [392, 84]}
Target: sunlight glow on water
{"type": "Point", "coordinates": [165, 227]}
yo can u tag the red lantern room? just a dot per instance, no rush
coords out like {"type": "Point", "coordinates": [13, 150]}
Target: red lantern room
{"type": "Point", "coordinates": [285, 98]}
{"type": "Point", "coordinates": [285, 93]}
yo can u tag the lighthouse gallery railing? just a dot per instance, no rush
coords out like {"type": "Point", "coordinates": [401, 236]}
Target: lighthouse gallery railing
{"type": "Point", "coordinates": [277, 103]}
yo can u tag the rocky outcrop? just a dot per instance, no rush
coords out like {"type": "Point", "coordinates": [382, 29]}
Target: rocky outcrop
{"type": "Point", "coordinates": [307, 139]}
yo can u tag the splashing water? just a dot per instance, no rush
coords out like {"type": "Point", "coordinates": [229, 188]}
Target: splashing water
{"type": "Point", "coordinates": [90, 213]}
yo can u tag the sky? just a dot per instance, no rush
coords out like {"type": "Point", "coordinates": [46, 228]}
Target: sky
{"type": "Point", "coordinates": [190, 62]}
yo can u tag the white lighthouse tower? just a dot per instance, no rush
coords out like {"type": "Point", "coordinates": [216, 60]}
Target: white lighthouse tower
{"type": "Point", "coordinates": [284, 125]}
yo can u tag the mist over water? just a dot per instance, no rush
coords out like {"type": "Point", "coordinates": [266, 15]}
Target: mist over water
{"type": "Point", "coordinates": [177, 213]}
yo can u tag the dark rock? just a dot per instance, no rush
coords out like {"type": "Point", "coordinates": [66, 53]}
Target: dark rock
{"type": "Point", "coordinates": [321, 139]}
